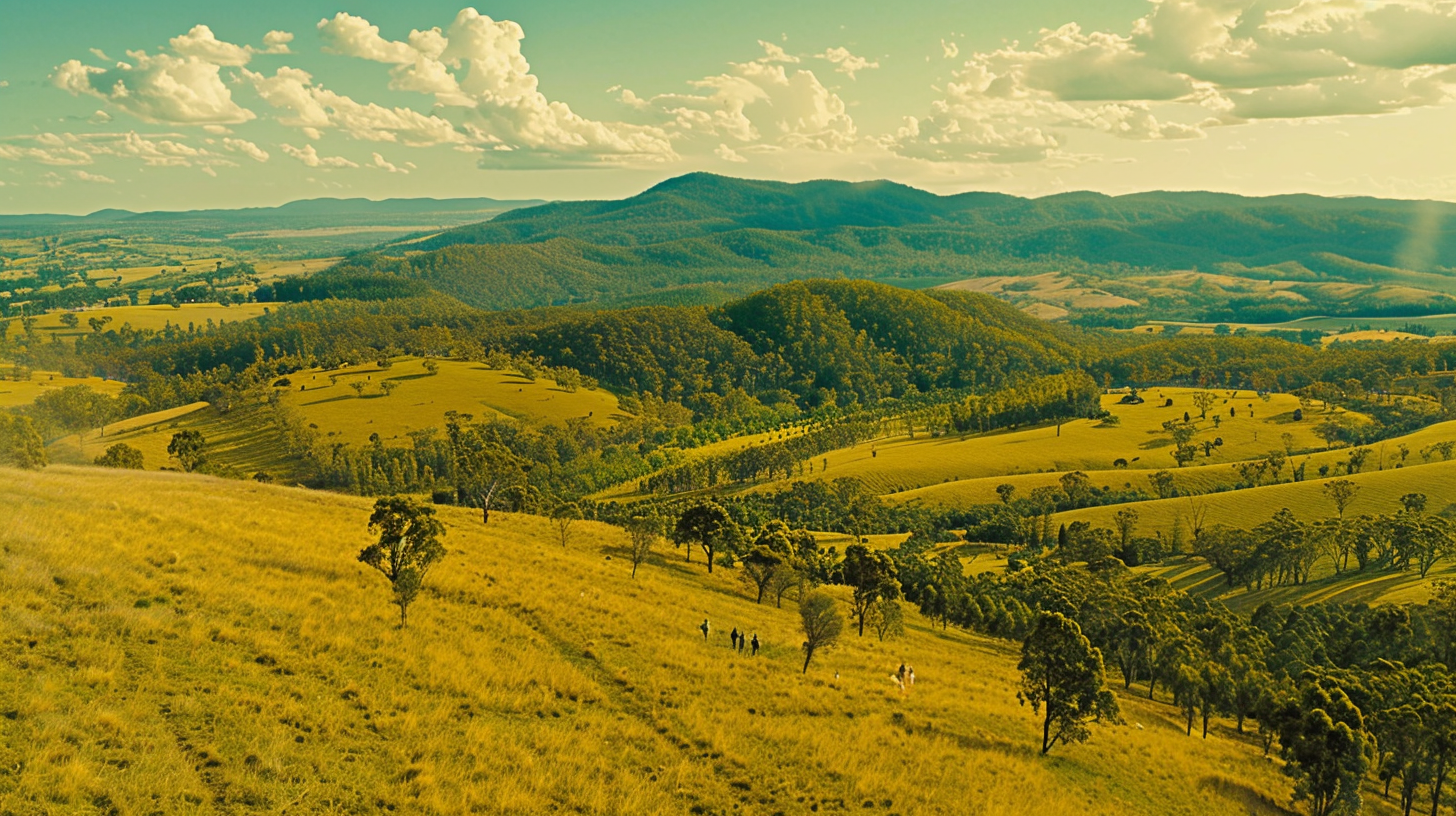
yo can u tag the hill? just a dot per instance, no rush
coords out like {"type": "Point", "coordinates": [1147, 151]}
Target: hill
{"type": "Point", "coordinates": [702, 237]}
{"type": "Point", "coordinates": [224, 650]}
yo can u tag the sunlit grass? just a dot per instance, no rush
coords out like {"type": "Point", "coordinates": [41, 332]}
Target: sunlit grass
{"type": "Point", "coordinates": [184, 644]}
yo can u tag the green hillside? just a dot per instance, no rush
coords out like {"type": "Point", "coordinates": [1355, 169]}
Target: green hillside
{"type": "Point", "coordinates": [225, 652]}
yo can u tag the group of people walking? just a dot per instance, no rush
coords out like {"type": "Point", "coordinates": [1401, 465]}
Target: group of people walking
{"type": "Point", "coordinates": [740, 640]}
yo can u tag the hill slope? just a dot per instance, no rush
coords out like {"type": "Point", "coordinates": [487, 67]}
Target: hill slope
{"type": "Point", "coordinates": [197, 653]}
{"type": "Point", "coordinates": [702, 237]}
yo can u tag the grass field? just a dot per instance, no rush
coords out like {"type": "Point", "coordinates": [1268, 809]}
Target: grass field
{"type": "Point", "coordinates": [15, 393]}
{"type": "Point", "coordinates": [184, 644]}
{"type": "Point", "coordinates": [899, 464]}
{"type": "Point", "coordinates": [420, 400]}
{"type": "Point", "coordinates": [246, 437]}
{"type": "Point", "coordinates": [154, 318]}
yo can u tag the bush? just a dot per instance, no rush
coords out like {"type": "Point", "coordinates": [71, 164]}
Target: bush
{"type": "Point", "coordinates": [121, 456]}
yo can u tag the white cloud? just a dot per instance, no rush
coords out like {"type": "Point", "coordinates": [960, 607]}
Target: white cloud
{"type": "Point", "coordinates": [157, 88]}
{"type": "Point", "coordinates": [761, 102]}
{"type": "Point", "coordinates": [201, 43]}
{"type": "Point", "coordinates": [773, 53]}
{"type": "Point", "coordinates": [728, 154]}
{"type": "Point", "coordinates": [71, 149]}
{"type": "Point", "coordinates": [950, 49]}
{"type": "Point", "coordinates": [1187, 65]}
{"type": "Point", "coordinates": [246, 148]}
{"type": "Point", "coordinates": [276, 42]}
{"type": "Point", "coordinates": [309, 156]}
{"type": "Point", "coordinates": [476, 65]}
{"type": "Point", "coordinates": [845, 62]}
{"type": "Point", "coordinates": [314, 107]}
{"type": "Point", "coordinates": [380, 163]}
{"type": "Point", "coordinates": [93, 178]}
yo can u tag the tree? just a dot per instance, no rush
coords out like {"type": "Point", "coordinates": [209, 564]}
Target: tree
{"type": "Point", "coordinates": [643, 533]}
{"type": "Point", "coordinates": [872, 575]}
{"type": "Point", "coordinates": [70, 320]}
{"type": "Point", "coordinates": [189, 449]}
{"type": "Point", "coordinates": [762, 563]}
{"type": "Point", "coordinates": [1204, 400]}
{"type": "Point", "coordinates": [387, 387]}
{"type": "Point", "coordinates": [1125, 520]}
{"type": "Point", "coordinates": [121, 455]}
{"type": "Point", "coordinates": [1062, 675]}
{"type": "Point", "coordinates": [1342, 493]}
{"type": "Point", "coordinates": [409, 544]}
{"type": "Point", "coordinates": [1325, 748]}
{"type": "Point", "coordinates": [20, 442]}
{"type": "Point", "coordinates": [1162, 481]}
{"type": "Point", "coordinates": [706, 524]}
{"type": "Point", "coordinates": [822, 623]}
{"type": "Point", "coordinates": [887, 618]}
{"type": "Point", "coordinates": [1006, 492]}
{"type": "Point", "coordinates": [563, 518]}
{"type": "Point", "coordinates": [358, 388]}
{"type": "Point", "coordinates": [1414, 503]}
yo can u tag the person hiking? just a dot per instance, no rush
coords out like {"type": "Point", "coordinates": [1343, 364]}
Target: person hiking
{"type": "Point", "coordinates": [734, 636]}
{"type": "Point", "coordinates": [704, 628]}
{"type": "Point", "coordinates": [900, 675]}
{"type": "Point", "coordinates": [742, 643]}
{"type": "Point", "coordinates": [755, 644]}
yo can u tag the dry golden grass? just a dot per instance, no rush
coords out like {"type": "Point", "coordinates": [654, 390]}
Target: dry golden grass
{"type": "Point", "coordinates": [183, 644]}
{"type": "Point", "coordinates": [154, 318]}
{"type": "Point", "coordinates": [14, 394]}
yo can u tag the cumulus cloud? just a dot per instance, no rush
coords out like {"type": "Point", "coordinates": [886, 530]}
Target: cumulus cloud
{"type": "Point", "coordinates": [201, 43]}
{"type": "Point", "coordinates": [763, 103]}
{"type": "Point", "coordinates": [1187, 65]}
{"type": "Point", "coordinates": [276, 42]}
{"type": "Point", "coordinates": [477, 66]}
{"type": "Point", "coordinates": [157, 88]}
{"type": "Point", "coordinates": [728, 154]}
{"type": "Point", "coordinates": [312, 106]}
{"type": "Point", "coordinates": [381, 163]}
{"type": "Point", "coordinates": [94, 178]}
{"type": "Point", "coordinates": [950, 49]}
{"type": "Point", "coordinates": [845, 62]}
{"type": "Point", "coordinates": [246, 148]}
{"type": "Point", "coordinates": [308, 154]}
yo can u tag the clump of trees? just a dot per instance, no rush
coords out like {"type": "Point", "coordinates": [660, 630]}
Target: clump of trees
{"type": "Point", "coordinates": [122, 456]}
{"type": "Point", "coordinates": [1062, 679]}
{"type": "Point", "coordinates": [822, 623]}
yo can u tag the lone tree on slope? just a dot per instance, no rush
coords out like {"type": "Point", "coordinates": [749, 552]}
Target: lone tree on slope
{"type": "Point", "coordinates": [819, 615]}
{"type": "Point", "coordinates": [873, 577]}
{"type": "Point", "coordinates": [706, 524]}
{"type": "Point", "coordinates": [643, 532]}
{"type": "Point", "coordinates": [563, 518]}
{"type": "Point", "coordinates": [189, 449]}
{"type": "Point", "coordinates": [1062, 676]}
{"type": "Point", "coordinates": [409, 544]}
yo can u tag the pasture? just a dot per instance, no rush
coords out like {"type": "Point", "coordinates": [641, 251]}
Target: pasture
{"type": "Point", "coordinates": [420, 399]}
{"type": "Point", "coordinates": [16, 393]}
{"type": "Point", "coordinates": [897, 464]}
{"type": "Point", "coordinates": [152, 318]}
{"type": "Point", "coordinates": [224, 651]}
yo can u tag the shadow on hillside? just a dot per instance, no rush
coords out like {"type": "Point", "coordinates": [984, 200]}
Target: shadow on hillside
{"type": "Point", "coordinates": [1256, 802]}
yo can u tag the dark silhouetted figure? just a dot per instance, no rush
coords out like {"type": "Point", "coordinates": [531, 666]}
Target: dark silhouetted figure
{"type": "Point", "coordinates": [734, 636]}
{"type": "Point", "coordinates": [755, 644]}
{"type": "Point", "coordinates": [704, 627]}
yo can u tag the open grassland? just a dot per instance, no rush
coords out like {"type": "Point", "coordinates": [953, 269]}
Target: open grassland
{"type": "Point", "coordinates": [420, 400]}
{"type": "Point", "coordinates": [244, 440]}
{"type": "Point", "coordinates": [15, 393]}
{"type": "Point", "coordinates": [1208, 473]}
{"type": "Point", "coordinates": [900, 463]}
{"type": "Point", "coordinates": [154, 318]}
{"type": "Point", "coordinates": [182, 644]}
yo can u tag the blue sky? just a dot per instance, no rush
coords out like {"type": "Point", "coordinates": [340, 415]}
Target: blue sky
{"type": "Point", "coordinates": [170, 105]}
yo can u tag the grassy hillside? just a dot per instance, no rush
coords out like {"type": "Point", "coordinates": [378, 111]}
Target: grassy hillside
{"type": "Point", "coordinates": [219, 649]}
{"type": "Point", "coordinates": [152, 318]}
{"type": "Point", "coordinates": [246, 438]}
{"type": "Point", "coordinates": [15, 393]}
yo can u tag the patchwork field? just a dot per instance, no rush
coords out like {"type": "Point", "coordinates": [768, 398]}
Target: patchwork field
{"type": "Point", "coordinates": [224, 651]}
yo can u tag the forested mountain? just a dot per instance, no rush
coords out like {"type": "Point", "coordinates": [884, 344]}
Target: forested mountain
{"type": "Point", "coordinates": [702, 238]}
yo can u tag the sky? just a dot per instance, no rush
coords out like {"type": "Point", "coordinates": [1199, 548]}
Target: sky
{"type": "Point", "coordinates": [170, 104]}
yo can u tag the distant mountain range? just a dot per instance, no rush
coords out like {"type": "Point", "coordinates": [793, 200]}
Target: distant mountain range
{"type": "Point", "coordinates": [705, 238]}
{"type": "Point", "coordinates": [331, 210]}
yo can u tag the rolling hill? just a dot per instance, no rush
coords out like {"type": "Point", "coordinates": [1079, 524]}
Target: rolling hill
{"type": "Point", "coordinates": [224, 651]}
{"type": "Point", "coordinates": [703, 238]}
